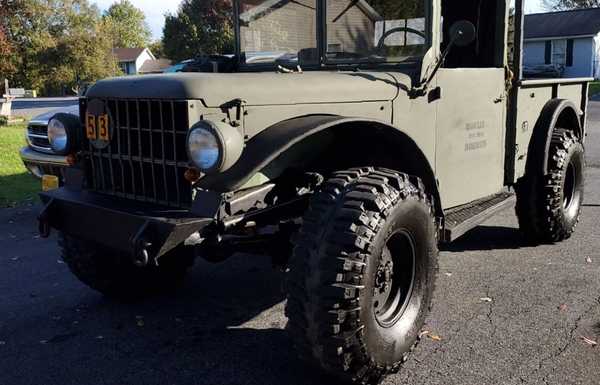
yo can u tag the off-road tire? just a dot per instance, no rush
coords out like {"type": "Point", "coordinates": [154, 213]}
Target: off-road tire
{"type": "Point", "coordinates": [115, 275]}
{"type": "Point", "coordinates": [548, 206]}
{"type": "Point", "coordinates": [332, 273]}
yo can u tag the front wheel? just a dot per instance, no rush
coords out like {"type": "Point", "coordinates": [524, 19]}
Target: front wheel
{"type": "Point", "coordinates": [362, 274]}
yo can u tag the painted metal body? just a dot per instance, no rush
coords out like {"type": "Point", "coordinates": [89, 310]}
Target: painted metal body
{"type": "Point", "coordinates": [467, 135]}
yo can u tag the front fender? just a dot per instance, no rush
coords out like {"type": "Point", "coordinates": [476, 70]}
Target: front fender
{"type": "Point", "coordinates": [265, 147]}
{"type": "Point", "coordinates": [277, 140]}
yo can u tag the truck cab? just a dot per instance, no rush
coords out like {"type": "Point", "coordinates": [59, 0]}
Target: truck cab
{"type": "Point", "coordinates": [345, 139]}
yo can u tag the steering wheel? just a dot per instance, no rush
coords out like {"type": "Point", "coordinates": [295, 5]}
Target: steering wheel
{"type": "Point", "coordinates": [395, 30]}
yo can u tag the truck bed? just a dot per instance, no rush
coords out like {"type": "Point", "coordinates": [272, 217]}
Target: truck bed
{"type": "Point", "coordinates": [525, 107]}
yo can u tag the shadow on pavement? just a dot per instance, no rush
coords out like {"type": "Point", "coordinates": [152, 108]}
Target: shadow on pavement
{"type": "Point", "coordinates": [487, 238]}
{"type": "Point", "coordinates": [205, 333]}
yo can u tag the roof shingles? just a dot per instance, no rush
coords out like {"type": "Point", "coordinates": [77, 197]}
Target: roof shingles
{"type": "Point", "coordinates": [579, 22]}
{"type": "Point", "coordinates": [127, 54]}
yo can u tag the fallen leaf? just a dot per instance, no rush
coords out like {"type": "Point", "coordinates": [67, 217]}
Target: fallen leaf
{"type": "Point", "coordinates": [588, 341]}
{"type": "Point", "coordinates": [588, 260]}
{"type": "Point", "coordinates": [434, 337]}
{"type": "Point", "coordinates": [486, 299]}
{"type": "Point", "coordinates": [563, 307]}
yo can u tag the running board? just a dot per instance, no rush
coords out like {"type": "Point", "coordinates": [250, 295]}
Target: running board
{"type": "Point", "coordinates": [464, 218]}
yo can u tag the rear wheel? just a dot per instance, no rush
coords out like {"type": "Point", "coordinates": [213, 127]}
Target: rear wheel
{"type": "Point", "coordinates": [548, 206]}
{"type": "Point", "coordinates": [362, 274]}
{"type": "Point", "coordinates": [115, 275]}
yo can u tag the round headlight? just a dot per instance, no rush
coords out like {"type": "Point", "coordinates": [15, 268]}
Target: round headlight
{"type": "Point", "coordinates": [204, 148]}
{"type": "Point", "coordinates": [57, 136]}
{"type": "Point", "coordinates": [214, 146]}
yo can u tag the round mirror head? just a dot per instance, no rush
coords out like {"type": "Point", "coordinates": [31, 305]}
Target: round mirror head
{"type": "Point", "coordinates": [463, 33]}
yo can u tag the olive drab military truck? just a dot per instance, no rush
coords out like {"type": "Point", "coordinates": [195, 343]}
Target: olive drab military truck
{"type": "Point", "coordinates": [346, 139]}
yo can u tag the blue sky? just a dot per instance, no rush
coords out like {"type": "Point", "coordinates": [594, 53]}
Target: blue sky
{"type": "Point", "coordinates": [533, 6]}
{"type": "Point", "coordinates": [155, 10]}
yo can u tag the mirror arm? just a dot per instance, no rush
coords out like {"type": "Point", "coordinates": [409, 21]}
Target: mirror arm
{"type": "Point", "coordinates": [422, 87]}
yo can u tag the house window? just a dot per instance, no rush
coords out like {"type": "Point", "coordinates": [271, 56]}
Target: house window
{"type": "Point", "coordinates": [559, 52]}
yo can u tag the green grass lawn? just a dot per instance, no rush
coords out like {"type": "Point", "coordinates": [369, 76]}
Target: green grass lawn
{"type": "Point", "coordinates": [594, 88]}
{"type": "Point", "coordinates": [16, 184]}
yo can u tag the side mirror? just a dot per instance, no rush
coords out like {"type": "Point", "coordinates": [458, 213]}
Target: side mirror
{"type": "Point", "coordinates": [462, 33]}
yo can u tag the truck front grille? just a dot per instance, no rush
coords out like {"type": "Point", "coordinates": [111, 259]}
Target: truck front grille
{"type": "Point", "coordinates": [146, 158]}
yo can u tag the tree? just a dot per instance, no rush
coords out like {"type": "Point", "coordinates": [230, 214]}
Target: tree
{"type": "Point", "coordinates": [199, 27]}
{"type": "Point", "coordinates": [55, 44]}
{"type": "Point", "coordinates": [127, 25]}
{"type": "Point", "coordinates": [7, 60]}
{"type": "Point", "coordinates": [157, 49]}
{"type": "Point", "coordinates": [562, 5]}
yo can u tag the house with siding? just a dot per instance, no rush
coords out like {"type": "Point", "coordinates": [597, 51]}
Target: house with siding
{"type": "Point", "coordinates": [569, 40]}
{"type": "Point", "coordinates": [279, 26]}
{"type": "Point", "coordinates": [139, 61]}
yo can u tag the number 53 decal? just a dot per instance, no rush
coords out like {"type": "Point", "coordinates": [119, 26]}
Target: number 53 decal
{"type": "Point", "coordinates": [96, 128]}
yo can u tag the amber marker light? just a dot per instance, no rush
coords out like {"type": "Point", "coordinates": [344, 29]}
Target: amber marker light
{"type": "Point", "coordinates": [71, 159]}
{"type": "Point", "coordinates": [192, 174]}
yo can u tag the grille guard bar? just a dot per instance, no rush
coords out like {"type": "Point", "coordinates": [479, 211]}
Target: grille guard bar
{"type": "Point", "coordinates": [120, 224]}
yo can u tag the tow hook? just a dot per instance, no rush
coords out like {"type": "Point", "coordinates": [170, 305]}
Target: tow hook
{"type": "Point", "coordinates": [141, 247]}
{"type": "Point", "coordinates": [141, 255]}
{"type": "Point", "coordinates": [44, 220]}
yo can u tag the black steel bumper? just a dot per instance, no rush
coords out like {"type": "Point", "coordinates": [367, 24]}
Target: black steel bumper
{"type": "Point", "coordinates": [120, 224]}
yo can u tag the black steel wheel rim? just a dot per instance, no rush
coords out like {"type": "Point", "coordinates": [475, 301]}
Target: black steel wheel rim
{"type": "Point", "coordinates": [394, 279]}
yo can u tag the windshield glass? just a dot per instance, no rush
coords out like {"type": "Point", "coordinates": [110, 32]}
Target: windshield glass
{"type": "Point", "coordinates": [282, 31]}
{"type": "Point", "coordinates": [285, 31]}
{"type": "Point", "coordinates": [376, 30]}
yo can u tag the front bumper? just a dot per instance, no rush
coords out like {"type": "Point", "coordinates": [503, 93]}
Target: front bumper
{"type": "Point", "coordinates": [40, 164]}
{"type": "Point", "coordinates": [119, 224]}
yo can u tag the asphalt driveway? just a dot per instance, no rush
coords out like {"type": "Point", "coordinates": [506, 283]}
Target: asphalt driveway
{"type": "Point", "coordinates": [504, 314]}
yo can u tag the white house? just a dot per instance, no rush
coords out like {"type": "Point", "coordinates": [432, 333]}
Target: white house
{"type": "Point", "coordinates": [570, 39]}
{"type": "Point", "coordinates": [133, 61]}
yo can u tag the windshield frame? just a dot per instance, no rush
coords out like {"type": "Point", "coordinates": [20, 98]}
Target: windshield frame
{"type": "Point", "coordinates": [321, 37]}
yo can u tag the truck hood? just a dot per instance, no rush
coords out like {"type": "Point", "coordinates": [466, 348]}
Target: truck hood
{"type": "Point", "coordinates": [270, 88]}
